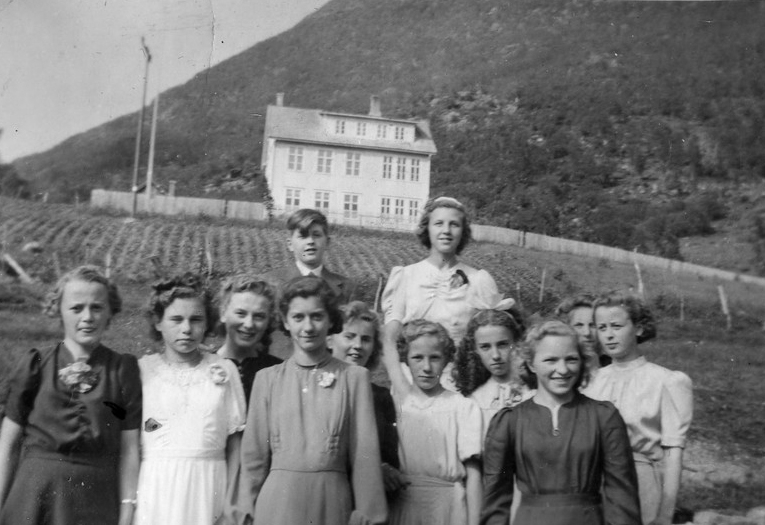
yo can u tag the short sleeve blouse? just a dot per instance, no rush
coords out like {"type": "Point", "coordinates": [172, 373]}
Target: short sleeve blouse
{"type": "Point", "coordinates": [438, 434]}
{"type": "Point", "coordinates": [655, 402]}
{"type": "Point", "coordinates": [58, 419]}
{"type": "Point", "coordinates": [422, 291]}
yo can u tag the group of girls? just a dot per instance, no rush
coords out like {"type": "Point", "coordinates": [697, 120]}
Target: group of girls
{"type": "Point", "coordinates": [185, 436]}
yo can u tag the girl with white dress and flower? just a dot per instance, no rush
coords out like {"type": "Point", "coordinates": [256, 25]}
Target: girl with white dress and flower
{"type": "Point", "coordinates": [310, 453]}
{"type": "Point", "coordinates": [193, 412]}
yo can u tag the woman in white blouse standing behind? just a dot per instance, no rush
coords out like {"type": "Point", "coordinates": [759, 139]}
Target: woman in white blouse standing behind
{"type": "Point", "coordinates": [439, 288]}
{"type": "Point", "coordinates": [656, 403]}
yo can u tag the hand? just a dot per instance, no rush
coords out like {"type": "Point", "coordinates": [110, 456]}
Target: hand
{"type": "Point", "coordinates": [393, 479]}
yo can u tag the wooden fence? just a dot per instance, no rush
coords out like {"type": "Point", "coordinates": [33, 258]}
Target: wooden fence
{"type": "Point", "coordinates": [165, 205]}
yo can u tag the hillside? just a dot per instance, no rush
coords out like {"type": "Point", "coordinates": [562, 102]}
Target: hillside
{"type": "Point", "coordinates": [632, 124]}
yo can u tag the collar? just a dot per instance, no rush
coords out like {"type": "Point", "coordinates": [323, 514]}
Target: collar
{"type": "Point", "coordinates": [305, 270]}
{"type": "Point", "coordinates": [630, 365]}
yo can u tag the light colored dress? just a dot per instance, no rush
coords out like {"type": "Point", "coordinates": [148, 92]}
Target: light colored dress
{"type": "Point", "coordinates": [493, 396]}
{"type": "Point", "coordinates": [436, 436]}
{"type": "Point", "coordinates": [310, 453]}
{"type": "Point", "coordinates": [422, 291]}
{"type": "Point", "coordinates": [657, 406]}
{"type": "Point", "coordinates": [188, 415]}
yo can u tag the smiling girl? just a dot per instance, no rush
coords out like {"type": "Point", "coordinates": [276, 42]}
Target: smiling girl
{"type": "Point", "coordinates": [247, 309]}
{"type": "Point", "coordinates": [193, 411]}
{"type": "Point", "coordinates": [76, 407]}
{"type": "Point", "coordinates": [439, 288]}
{"type": "Point", "coordinates": [570, 455]}
{"type": "Point", "coordinates": [439, 433]}
{"type": "Point", "coordinates": [656, 403]}
{"type": "Point", "coordinates": [310, 452]}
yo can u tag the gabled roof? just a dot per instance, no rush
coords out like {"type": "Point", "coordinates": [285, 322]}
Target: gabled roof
{"type": "Point", "coordinates": [306, 126]}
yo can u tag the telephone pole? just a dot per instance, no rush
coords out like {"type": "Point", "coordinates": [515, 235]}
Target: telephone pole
{"type": "Point", "coordinates": [147, 54]}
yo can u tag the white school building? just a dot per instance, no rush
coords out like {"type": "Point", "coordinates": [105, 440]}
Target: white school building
{"type": "Point", "coordinates": [364, 170]}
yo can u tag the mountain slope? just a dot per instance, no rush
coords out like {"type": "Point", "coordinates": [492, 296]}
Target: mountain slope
{"type": "Point", "coordinates": [576, 118]}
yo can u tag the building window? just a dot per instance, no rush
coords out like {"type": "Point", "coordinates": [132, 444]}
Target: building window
{"type": "Point", "coordinates": [413, 209]}
{"type": "Point", "coordinates": [387, 167]}
{"type": "Point", "coordinates": [361, 129]}
{"type": "Point", "coordinates": [401, 168]}
{"type": "Point", "coordinates": [322, 201]}
{"type": "Point", "coordinates": [382, 131]}
{"type": "Point", "coordinates": [340, 127]}
{"type": "Point", "coordinates": [353, 164]}
{"type": "Point", "coordinates": [350, 206]}
{"type": "Point", "coordinates": [325, 161]}
{"type": "Point", "coordinates": [292, 200]}
{"type": "Point", "coordinates": [295, 160]}
{"type": "Point", "coordinates": [414, 173]}
{"type": "Point", "coordinates": [385, 206]}
{"type": "Point", "coordinates": [399, 209]}
{"type": "Point", "coordinates": [399, 132]}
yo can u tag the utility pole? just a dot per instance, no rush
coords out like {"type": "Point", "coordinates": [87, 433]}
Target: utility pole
{"type": "Point", "coordinates": [150, 168]}
{"type": "Point", "coordinates": [147, 54]}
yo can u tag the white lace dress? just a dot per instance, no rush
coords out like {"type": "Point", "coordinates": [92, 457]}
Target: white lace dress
{"type": "Point", "coordinates": [188, 415]}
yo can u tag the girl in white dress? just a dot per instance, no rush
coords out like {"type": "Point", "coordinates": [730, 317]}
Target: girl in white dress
{"type": "Point", "coordinates": [439, 433]}
{"type": "Point", "coordinates": [439, 288]}
{"type": "Point", "coordinates": [656, 403]}
{"type": "Point", "coordinates": [193, 412]}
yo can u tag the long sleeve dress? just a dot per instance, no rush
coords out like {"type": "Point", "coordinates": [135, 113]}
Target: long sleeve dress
{"type": "Point", "coordinates": [436, 436]}
{"type": "Point", "coordinates": [69, 473]}
{"type": "Point", "coordinates": [188, 415]}
{"type": "Point", "coordinates": [310, 452]}
{"type": "Point", "coordinates": [657, 406]}
{"type": "Point", "coordinates": [560, 470]}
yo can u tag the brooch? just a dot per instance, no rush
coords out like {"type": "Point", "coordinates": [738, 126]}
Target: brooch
{"type": "Point", "coordinates": [218, 374]}
{"type": "Point", "coordinates": [79, 376]}
{"type": "Point", "coordinates": [326, 379]}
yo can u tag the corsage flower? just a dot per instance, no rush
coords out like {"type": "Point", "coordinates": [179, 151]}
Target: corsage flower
{"type": "Point", "coordinates": [79, 376]}
{"type": "Point", "coordinates": [218, 374]}
{"type": "Point", "coordinates": [326, 379]}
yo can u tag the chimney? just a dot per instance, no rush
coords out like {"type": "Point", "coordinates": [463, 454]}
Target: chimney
{"type": "Point", "coordinates": [280, 99]}
{"type": "Point", "coordinates": [374, 106]}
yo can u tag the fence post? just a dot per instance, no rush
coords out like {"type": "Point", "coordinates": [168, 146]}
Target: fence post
{"type": "Point", "coordinates": [542, 286]}
{"type": "Point", "coordinates": [724, 306]}
{"type": "Point", "coordinates": [641, 288]}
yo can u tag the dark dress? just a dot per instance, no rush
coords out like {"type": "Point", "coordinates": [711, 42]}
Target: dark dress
{"type": "Point", "coordinates": [385, 415]}
{"type": "Point", "coordinates": [249, 366]}
{"type": "Point", "coordinates": [560, 473]}
{"type": "Point", "coordinates": [69, 468]}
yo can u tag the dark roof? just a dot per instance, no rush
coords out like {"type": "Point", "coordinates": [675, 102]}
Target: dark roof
{"type": "Point", "coordinates": [305, 126]}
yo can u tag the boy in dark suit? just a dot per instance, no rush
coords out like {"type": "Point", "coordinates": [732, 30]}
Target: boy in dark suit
{"type": "Point", "coordinates": [308, 241]}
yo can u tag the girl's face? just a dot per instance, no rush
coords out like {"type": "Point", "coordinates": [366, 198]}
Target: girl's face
{"type": "Point", "coordinates": [246, 319]}
{"type": "Point", "coordinates": [355, 343]}
{"type": "Point", "coordinates": [183, 326]}
{"type": "Point", "coordinates": [557, 365]}
{"type": "Point", "coordinates": [581, 320]}
{"type": "Point", "coordinates": [617, 333]}
{"type": "Point", "coordinates": [445, 230]}
{"type": "Point", "coordinates": [85, 312]}
{"type": "Point", "coordinates": [308, 323]}
{"type": "Point", "coordinates": [426, 360]}
{"type": "Point", "coordinates": [494, 345]}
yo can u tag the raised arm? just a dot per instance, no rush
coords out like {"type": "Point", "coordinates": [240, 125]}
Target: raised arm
{"type": "Point", "coordinates": [10, 447]}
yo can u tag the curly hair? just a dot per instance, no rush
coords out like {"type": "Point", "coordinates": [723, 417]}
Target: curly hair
{"type": "Point", "coordinates": [312, 286]}
{"type": "Point", "coordinates": [636, 308]}
{"type": "Point", "coordinates": [535, 335]}
{"type": "Point", "coordinates": [185, 286]}
{"type": "Point", "coordinates": [86, 273]}
{"type": "Point", "coordinates": [359, 311]}
{"type": "Point", "coordinates": [443, 202]}
{"type": "Point", "coordinates": [571, 303]}
{"type": "Point", "coordinates": [417, 328]}
{"type": "Point", "coordinates": [469, 372]}
{"type": "Point", "coordinates": [247, 283]}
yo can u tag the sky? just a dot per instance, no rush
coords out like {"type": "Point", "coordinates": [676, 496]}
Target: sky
{"type": "Point", "coordinates": [69, 65]}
